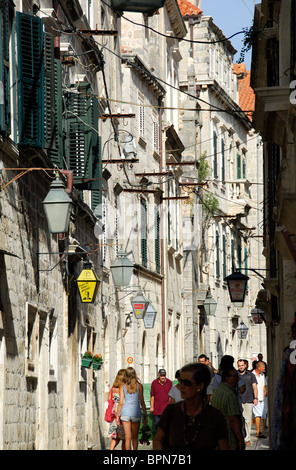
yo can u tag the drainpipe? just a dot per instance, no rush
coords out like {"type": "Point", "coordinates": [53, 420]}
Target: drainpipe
{"type": "Point", "coordinates": [163, 303]}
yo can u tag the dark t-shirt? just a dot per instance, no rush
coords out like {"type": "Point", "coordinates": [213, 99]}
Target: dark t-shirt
{"type": "Point", "coordinates": [249, 379]}
{"type": "Point", "coordinates": [213, 428]}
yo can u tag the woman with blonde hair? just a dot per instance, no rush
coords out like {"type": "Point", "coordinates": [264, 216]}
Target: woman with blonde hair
{"type": "Point", "coordinates": [116, 432]}
{"type": "Point", "coordinates": [131, 400]}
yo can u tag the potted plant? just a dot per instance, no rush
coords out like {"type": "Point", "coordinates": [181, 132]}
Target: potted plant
{"type": "Point", "coordinates": [97, 361]}
{"type": "Point", "coordinates": [87, 359]}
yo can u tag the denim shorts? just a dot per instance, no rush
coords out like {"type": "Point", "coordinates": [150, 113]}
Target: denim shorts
{"type": "Point", "coordinates": [134, 419]}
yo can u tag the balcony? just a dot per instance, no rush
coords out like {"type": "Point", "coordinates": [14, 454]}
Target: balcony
{"type": "Point", "coordinates": [139, 6]}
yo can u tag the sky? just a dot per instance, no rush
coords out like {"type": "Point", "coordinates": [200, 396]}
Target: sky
{"type": "Point", "coordinates": [232, 16]}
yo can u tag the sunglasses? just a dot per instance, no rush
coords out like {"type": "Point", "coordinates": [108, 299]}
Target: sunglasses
{"type": "Point", "coordinates": [185, 382]}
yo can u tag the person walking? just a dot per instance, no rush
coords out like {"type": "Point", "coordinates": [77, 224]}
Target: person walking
{"type": "Point", "coordinates": [225, 399]}
{"type": "Point", "coordinates": [248, 398]}
{"type": "Point", "coordinates": [192, 423]}
{"type": "Point", "coordinates": [159, 395]}
{"type": "Point", "coordinates": [259, 410]}
{"type": "Point", "coordinates": [226, 361]}
{"type": "Point", "coordinates": [116, 432]}
{"type": "Point", "coordinates": [131, 400]}
{"type": "Point", "coordinates": [174, 393]}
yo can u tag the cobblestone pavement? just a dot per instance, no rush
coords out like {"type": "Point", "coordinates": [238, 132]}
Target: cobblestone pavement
{"type": "Point", "coordinates": [258, 443]}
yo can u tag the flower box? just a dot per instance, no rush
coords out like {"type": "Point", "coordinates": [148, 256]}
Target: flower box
{"type": "Point", "coordinates": [87, 359]}
{"type": "Point", "coordinates": [97, 361]}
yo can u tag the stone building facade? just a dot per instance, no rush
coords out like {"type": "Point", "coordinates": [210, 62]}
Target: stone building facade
{"type": "Point", "coordinates": [62, 92]}
{"type": "Point", "coordinates": [218, 134]}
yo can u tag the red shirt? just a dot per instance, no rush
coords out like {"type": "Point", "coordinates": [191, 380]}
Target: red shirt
{"type": "Point", "coordinates": [160, 392]}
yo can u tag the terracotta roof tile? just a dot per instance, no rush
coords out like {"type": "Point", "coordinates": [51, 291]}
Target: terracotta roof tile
{"type": "Point", "coordinates": [246, 93]}
{"type": "Point", "coordinates": [187, 8]}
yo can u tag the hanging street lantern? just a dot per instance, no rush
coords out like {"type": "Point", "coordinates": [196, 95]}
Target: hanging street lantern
{"type": "Point", "coordinates": [210, 304]}
{"type": "Point", "coordinates": [150, 316]}
{"type": "Point", "coordinates": [122, 269]}
{"type": "Point", "coordinates": [139, 305]}
{"type": "Point", "coordinates": [88, 283]}
{"type": "Point", "coordinates": [242, 331]}
{"type": "Point", "coordinates": [57, 207]}
{"type": "Point", "coordinates": [237, 285]}
{"type": "Point", "coordinates": [257, 315]}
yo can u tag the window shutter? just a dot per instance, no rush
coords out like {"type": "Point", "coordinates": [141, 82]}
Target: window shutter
{"type": "Point", "coordinates": [53, 133]}
{"type": "Point", "coordinates": [233, 264]}
{"type": "Point", "coordinates": [238, 166]}
{"type": "Point", "coordinates": [215, 155]}
{"type": "Point", "coordinates": [223, 160]}
{"type": "Point", "coordinates": [224, 257]}
{"type": "Point", "coordinates": [4, 70]}
{"type": "Point", "coordinates": [30, 79]}
{"type": "Point", "coordinates": [96, 185]}
{"type": "Point", "coordinates": [144, 232]}
{"type": "Point", "coordinates": [55, 137]}
{"type": "Point", "coordinates": [82, 143]}
{"type": "Point", "coordinates": [157, 240]}
{"type": "Point", "coordinates": [217, 255]}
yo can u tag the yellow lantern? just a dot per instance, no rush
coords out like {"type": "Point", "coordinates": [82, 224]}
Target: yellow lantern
{"type": "Point", "coordinates": [88, 284]}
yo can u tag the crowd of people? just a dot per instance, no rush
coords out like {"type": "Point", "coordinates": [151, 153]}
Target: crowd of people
{"type": "Point", "coordinates": [207, 409]}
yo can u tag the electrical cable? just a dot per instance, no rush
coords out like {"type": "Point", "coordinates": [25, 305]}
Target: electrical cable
{"type": "Point", "coordinates": [174, 37]}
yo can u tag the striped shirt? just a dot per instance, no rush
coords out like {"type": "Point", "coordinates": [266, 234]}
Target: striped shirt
{"type": "Point", "coordinates": [225, 399]}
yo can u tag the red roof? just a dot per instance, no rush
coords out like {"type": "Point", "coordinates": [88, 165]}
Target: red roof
{"type": "Point", "coordinates": [246, 93]}
{"type": "Point", "coordinates": [188, 8]}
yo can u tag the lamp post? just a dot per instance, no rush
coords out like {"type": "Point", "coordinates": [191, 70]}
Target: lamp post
{"type": "Point", "coordinates": [242, 331]}
{"type": "Point", "coordinates": [237, 284]}
{"type": "Point", "coordinates": [139, 305]}
{"type": "Point", "coordinates": [210, 304]}
{"type": "Point", "coordinates": [57, 207]}
{"type": "Point", "coordinates": [122, 269]}
{"type": "Point", "coordinates": [88, 283]}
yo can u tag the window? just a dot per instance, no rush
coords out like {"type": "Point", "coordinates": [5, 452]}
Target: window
{"type": "Point", "coordinates": [223, 160]}
{"type": "Point", "coordinates": [144, 232]}
{"type": "Point", "coordinates": [155, 131]}
{"type": "Point", "coordinates": [157, 240]}
{"type": "Point", "coordinates": [215, 143]}
{"type": "Point", "coordinates": [30, 79]}
{"type": "Point", "coordinates": [217, 254]}
{"type": "Point", "coordinates": [141, 117]}
{"type": "Point", "coordinates": [82, 143]}
{"type": "Point", "coordinates": [224, 256]}
{"type": "Point", "coordinates": [4, 68]}
{"type": "Point", "coordinates": [238, 166]}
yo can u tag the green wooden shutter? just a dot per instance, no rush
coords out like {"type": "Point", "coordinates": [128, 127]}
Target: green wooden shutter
{"type": "Point", "coordinates": [215, 155]}
{"type": "Point", "coordinates": [82, 142]}
{"type": "Point", "coordinates": [96, 185]}
{"type": "Point", "coordinates": [55, 142]}
{"type": "Point", "coordinates": [224, 257]}
{"type": "Point", "coordinates": [4, 69]}
{"type": "Point", "coordinates": [157, 240]}
{"type": "Point", "coordinates": [144, 232]}
{"type": "Point", "coordinates": [233, 264]}
{"type": "Point", "coordinates": [53, 134]}
{"type": "Point", "coordinates": [30, 79]}
{"type": "Point", "coordinates": [217, 254]}
{"type": "Point", "coordinates": [223, 160]}
{"type": "Point", "coordinates": [239, 166]}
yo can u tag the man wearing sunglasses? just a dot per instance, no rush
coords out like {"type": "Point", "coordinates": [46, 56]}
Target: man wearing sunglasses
{"type": "Point", "coordinates": [160, 388]}
{"type": "Point", "coordinates": [226, 400]}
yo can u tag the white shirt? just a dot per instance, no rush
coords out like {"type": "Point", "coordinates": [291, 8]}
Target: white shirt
{"type": "Point", "coordinates": [261, 383]}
